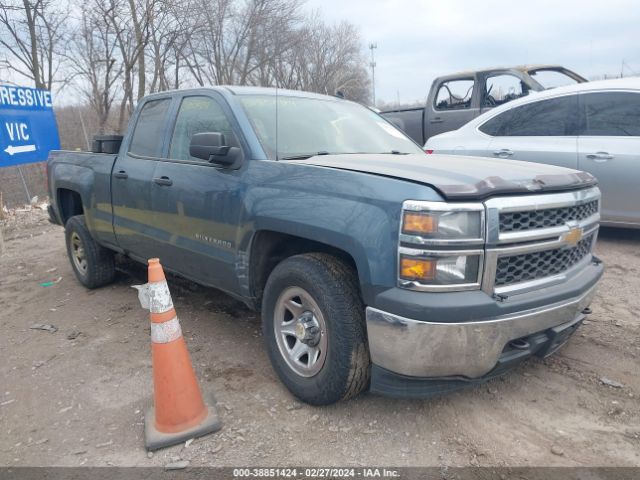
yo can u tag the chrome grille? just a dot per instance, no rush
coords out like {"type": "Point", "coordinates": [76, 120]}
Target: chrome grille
{"type": "Point", "coordinates": [550, 217]}
{"type": "Point", "coordinates": [536, 265]}
{"type": "Point", "coordinates": [531, 239]}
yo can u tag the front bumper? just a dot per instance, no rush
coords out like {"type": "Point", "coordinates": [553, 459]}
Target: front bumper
{"type": "Point", "coordinates": [541, 344]}
{"type": "Point", "coordinates": [464, 349]}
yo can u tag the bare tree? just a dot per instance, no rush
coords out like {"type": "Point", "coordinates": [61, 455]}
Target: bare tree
{"type": "Point", "coordinates": [131, 44]}
{"type": "Point", "coordinates": [169, 32]}
{"type": "Point", "coordinates": [118, 50]}
{"type": "Point", "coordinates": [35, 34]}
{"type": "Point", "coordinates": [141, 40]}
{"type": "Point", "coordinates": [96, 63]}
{"type": "Point", "coordinates": [326, 59]}
{"type": "Point", "coordinates": [235, 39]}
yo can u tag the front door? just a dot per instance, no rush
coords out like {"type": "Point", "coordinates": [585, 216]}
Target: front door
{"type": "Point", "coordinates": [544, 132]}
{"type": "Point", "coordinates": [453, 105]}
{"type": "Point", "coordinates": [196, 204]}
{"type": "Point", "coordinates": [609, 149]}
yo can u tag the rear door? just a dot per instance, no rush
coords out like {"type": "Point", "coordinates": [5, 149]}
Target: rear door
{"type": "Point", "coordinates": [195, 203]}
{"type": "Point", "coordinates": [544, 131]}
{"type": "Point", "coordinates": [453, 105]}
{"type": "Point", "coordinates": [609, 148]}
{"type": "Point", "coordinates": [131, 179]}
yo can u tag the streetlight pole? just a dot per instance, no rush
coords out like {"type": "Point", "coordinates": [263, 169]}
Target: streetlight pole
{"type": "Point", "coordinates": [372, 64]}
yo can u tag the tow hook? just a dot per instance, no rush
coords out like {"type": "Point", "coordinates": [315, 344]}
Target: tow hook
{"type": "Point", "coordinates": [499, 297]}
{"type": "Point", "coordinates": [587, 311]}
{"type": "Point", "coordinates": [519, 344]}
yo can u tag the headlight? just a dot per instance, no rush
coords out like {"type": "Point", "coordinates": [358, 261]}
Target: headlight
{"type": "Point", "coordinates": [440, 268]}
{"type": "Point", "coordinates": [441, 246]}
{"type": "Point", "coordinates": [443, 223]}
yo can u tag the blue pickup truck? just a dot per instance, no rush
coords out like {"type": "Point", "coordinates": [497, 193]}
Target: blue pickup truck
{"type": "Point", "coordinates": [374, 265]}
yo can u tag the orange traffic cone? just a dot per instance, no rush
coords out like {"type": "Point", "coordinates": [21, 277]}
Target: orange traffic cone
{"type": "Point", "coordinates": [180, 412]}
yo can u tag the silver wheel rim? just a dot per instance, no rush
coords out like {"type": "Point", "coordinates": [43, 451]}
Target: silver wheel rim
{"type": "Point", "coordinates": [78, 255]}
{"type": "Point", "coordinates": [301, 331]}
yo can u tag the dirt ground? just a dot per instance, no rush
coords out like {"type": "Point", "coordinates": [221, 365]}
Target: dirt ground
{"type": "Point", "coordinates": [78, 396]}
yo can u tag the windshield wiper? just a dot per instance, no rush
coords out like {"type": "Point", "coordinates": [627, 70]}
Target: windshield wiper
{"type": "Point", "coordinates": [391, 152]}
{"type": "Point", "coordinates": [304, 156]}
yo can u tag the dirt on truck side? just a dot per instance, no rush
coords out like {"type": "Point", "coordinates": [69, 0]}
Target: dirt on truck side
{"type": "Point", "coordinates": [77, 395]}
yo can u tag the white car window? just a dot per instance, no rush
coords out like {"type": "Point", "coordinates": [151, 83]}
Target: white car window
{"type": "Point", "coordinates": [554, 117]}
{"type": "Point", "coordinates": [611, 114]}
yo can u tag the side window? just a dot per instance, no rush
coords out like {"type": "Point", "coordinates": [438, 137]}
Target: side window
{"type": "Point", "coordinates": [198, 115]}
{"type": "Point", "coordinates": [556, 117]}
{"type": "Point", "coordinates": [149, 128]}
{"type": "Point", "coordinates": [501, 89]}
{"type": "Point", "coordinates": [454, 95]}
{"type": "Point", "coordinates": [496, 125]}
{"type": "Point", "coordinates": [611, 114]}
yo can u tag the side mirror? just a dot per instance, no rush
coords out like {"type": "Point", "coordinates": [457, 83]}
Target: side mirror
{"type": "Point", "coordinates": [211, 147]}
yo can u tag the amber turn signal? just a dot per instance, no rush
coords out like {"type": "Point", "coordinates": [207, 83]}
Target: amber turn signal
{"type": "Point", "coordinates": [417, 269]}
{"type": "Point", "coordinates": [414, 222]}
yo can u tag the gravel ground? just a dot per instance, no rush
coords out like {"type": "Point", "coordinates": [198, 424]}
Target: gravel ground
{"type": "Point", "coordinates": [78, 396]}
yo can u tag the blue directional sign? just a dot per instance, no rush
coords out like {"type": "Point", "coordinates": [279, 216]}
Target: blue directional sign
{"type": "Point", "coordinates": [28, 129]}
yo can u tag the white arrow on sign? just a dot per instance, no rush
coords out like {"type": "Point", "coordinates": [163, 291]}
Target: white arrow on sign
{"type": "Point", "coordinates": [20, 149]}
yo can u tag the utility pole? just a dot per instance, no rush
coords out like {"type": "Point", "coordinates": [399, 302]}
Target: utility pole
{"type": "Point", "coordinates": [372, 47]}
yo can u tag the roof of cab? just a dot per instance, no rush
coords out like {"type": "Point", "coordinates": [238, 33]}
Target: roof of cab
{"type": "Point", "coordinates": [249, 90]}
{"type": "Point", "coordinates": [521, 68]}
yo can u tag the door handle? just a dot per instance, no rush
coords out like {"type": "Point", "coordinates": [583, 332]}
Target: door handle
{"type": "Point", "coordinates": [165, 181]}
{"type": "Point", "coordinates": [121, 174]}
{"type": "Point", "coordinates": [436, 120]}
{"type": "Point", "coordinates": [600, 156]}
{"type": "Point", "coordinates": [503, 152]}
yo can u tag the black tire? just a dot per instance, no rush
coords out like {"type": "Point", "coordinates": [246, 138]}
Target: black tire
{"type": "Point", "coordinates": [100, 266]}
{"type": "Point", "coordinates": [333, 286]}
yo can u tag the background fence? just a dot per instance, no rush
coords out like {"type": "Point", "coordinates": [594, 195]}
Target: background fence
{"type": "Point", "coordinates": [19, 185]}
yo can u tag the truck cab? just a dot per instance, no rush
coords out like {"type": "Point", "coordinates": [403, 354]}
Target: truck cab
{"type": "Point", "coordinates": [458, 98]}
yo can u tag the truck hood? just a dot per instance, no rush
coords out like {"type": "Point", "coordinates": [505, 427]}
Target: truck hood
{"type": "Point", "coordinates": [459, 177]}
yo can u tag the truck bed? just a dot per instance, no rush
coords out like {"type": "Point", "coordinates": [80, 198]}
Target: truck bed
{"type": "Point", "coordinates": [88, 175]}
{"type": "Point", "coordinates": [410, 120]}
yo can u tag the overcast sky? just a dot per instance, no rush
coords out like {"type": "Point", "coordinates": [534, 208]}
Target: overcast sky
{"type": "Point", "coordinates": [419, 40]}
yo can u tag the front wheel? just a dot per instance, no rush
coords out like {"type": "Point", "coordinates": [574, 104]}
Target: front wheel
{"type": "Point", "coordinates": [314, 327]}
{"type": "Point", "coordinates": [93, 264]}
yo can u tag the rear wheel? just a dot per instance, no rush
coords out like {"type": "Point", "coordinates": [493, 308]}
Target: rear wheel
{"type": "Point", "coordinates": [93, 264]}
{"type": "Point", "coordinates": [313, 323]}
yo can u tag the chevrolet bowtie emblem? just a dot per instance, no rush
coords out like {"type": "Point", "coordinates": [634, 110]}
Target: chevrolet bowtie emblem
{"type": "Point", "coordinates": [573, 236]}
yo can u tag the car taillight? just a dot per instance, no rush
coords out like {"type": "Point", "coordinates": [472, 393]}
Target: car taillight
{"type": "Point", "coordinates": [429, 151]}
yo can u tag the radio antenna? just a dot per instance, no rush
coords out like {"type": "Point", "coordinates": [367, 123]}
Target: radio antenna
{"type": "Point", "coordinates": [277, 151]}
{"type": "Point", "coordinates": [276, 74]}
